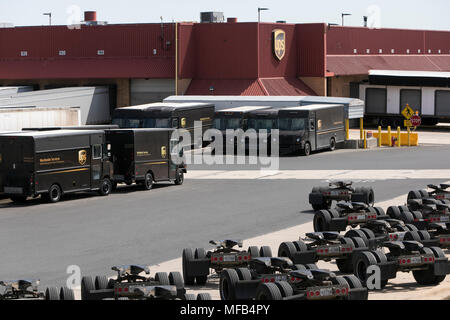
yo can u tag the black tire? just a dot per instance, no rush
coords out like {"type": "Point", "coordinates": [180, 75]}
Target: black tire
{"type": "Point", "coordinates": [411, 227]}
{"type": "Point", "coordinates": [254, 251]}
{"type": "Point", "coordinates": [147, 184]}
{"type": "Point", "coordinates": [300, 246]}
{"type": "Point", "coordinates": [51, 293]}
{"type": "Point", "coordinates": [189, 296]}
{"type": "Point", "coordinates": [394, 212]}
{"type": "Point", "coordinates": [176, 279]}
{"type": "Point", "coordinates": [87, 285]}
{"type": "Point", "coordinates": [361, 263]}
{"type": "Point", "coordinates": [369, 233]}
{"type": "Point", "coordinates": [105, 187]}
{"type": "Point", "coordinates": [244, 274]}
{"type": "Point", "coordinates": [265, 251]}
{"type": "Point", "coordinates": [417, 215]}
{"type": "Point", "coordinates": [54, 193]}
{"type": "Point", "coordinates": [403, 208]}
{"type": "Point", "coordinates": [407, 217]}
{"type": "Point", "coordinates": [424, 194]}
{"type": "Point", "coordinates": [369, 196]}
{"type": "Point", "coordinates": [200, 253]}
{"type": "Point", "coordinates": [359, 242]}
{"type": "Point", "coordinates": [101, 282]}
{"type": "Point", "coordinates": [307, 149]}
{"type": "Point", "coordinates": [344, 265]}
{"type": "Point", "coordinates": [227, 284]}
{"type": "Point", "coordinates": [268, 291]}
{"type": "Point", "coordinates": [285, 288]}
{"type": "Point", "coordinates": [322, 220]}
{"type": "Point", "coordinates": [162, 278]}
{"type": "Point", "coordinates": [414, 195]}
{"type": "Point", "coordinates": [287, 249]}
{"type": "Point", "coordinates": [380, 212]}
{"type": "Point", "coordinates": [187, 257]}
{"type": "Point", "coordinates": [204, 296]}
{"type": "Point", "coordinates": [332, 144]}
{"type": "Point", "coordinates": [179, 178]}
{"type": "Point", "coordinates": [357, 233]}
{"type": "Point", "coordinates": [66, 294]}
{"type": "Point", "coordinates": [18, 199]}
{"type": "Point", "coordinates": [427, 277]}
{"type": "Point", "coordinates": [353, 281]}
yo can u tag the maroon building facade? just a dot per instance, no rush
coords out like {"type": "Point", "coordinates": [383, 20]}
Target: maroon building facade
{"type": "Point", "coordinates": [140, 61]}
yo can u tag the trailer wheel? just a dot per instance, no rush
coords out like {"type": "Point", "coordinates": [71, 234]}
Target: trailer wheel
{"type": "Point", "coordinates": [101, 282]}
{"type": "Point", "coordinates": [244, 274]}
{"type": "Point", "coordinates": [265, 251]}
{"type": "Point", "coordinates": [66, 294]}
{"type": "Point", "coordinates": [54, 193]}
{"type": "Point", "coordinates": [361, 263]}
{"type": "Point", "coordinates": [176, 279]}
{"type": "Point", "coordinates": [322, 221]}
{"type": "Point", "coordinates": [417, 215]}
{"type": "Point", "coordinates": [268, 291]}
{"type": "Point", "coordinates": [227, 284]}
{"type": "Point", "coordinates": [148, 181]}
{"type": "Point", "coordinates": [427, 276]}
{"type": "Point", "coordinates": [380, 211]}
{"type": "Point", "coordinates": [179, 178]}
{"type": "Point", "coordinates": [307, 149]}
{"type": "Point", "coordinates": [339, 280]}
{"type": "Point", "coordinates": [287, 250]}
{"type": "Point", "coordinates": [189, 296]}
{"type": "Point", "coordinates": [285, 288]}
{"type": "Point", "coordinates": [414, 195]}
{"type": "Point", "coordinates": [344, 265]}
{"type": "Point", "coordinates": [87, 285]}
{"type": "Point", "coordinates": [357, 233]}
{"type": "Point", "coordinates": [204, 296]}
{"type": "Point", "coordinates": [332, 144]}
{"type": "Point", "coordinates": [300, 246]}
{"type": "Point", "coordinates": [187, 257]}
{"type": "Point", "coordinates": [105, 187]}
{"type": "Point", "coordinates": [200, 253]}
{"type": "Point", "coordinates": [254, 251]}
{"type": "Point", "coordinates": [424, 193]}
{"type": "Point", "coordinates": [411, 227]}
{"type": "Point", "coordinates": [369, 196]}
{"type": "Point", "coordinates": [407, 217]}
{"type": "Point", "coordinates": [394, 212]}
{"type": "Point", "coordinates": [162, 278]}
{"type": "Point", "coordinates": [51, 293]}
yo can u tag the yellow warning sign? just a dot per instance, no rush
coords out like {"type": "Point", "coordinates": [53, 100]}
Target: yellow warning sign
{"type": "Point", "coordinates": [407, 123]}
{"type": "Point", "coordinates": [408, 112]}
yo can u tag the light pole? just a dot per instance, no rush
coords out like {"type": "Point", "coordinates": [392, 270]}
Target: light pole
{"type": "Point", "coordinates": [49, 14]}
{"type": "Point", "coordinates": [344, 15]}
{"type": "Point", "coordinates": [259, 13]}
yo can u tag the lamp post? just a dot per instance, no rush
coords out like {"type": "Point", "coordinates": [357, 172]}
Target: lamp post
{"type": "Point", "coordinates": [343, 16]}
{"type": "Point", "coordinates": [49, 14]}
{"type": "Point", "coordinates": [259, 13]}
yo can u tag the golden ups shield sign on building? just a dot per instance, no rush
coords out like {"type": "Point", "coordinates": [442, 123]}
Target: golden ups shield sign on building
{"type": "Point", "coordinates": [279, 43]}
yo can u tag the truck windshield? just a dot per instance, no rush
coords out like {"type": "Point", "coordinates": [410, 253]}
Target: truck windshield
{"type": "Point", "coordinates": [291, 124]}
{"type": "Point", "coordinates": [155, 123]}
{"type": "Point", "coordinates": [127, 123]}
{"type": "Point", "coordinates": [227, 123]}
{"type": "Point", "coordinates": [257, 124]}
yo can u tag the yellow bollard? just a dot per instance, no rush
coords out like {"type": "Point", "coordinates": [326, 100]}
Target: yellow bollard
{"type": "Point", "coordinates": [398, 137]}
{"type": "Point", "coordinates": [379, 136]}
{"type": "Point", "coordinates": [389, 137]}
{"type": "Point", "coordinates": [361, 128]}
{"type": "Point", "coordinates": [347, 129]}
{"type": "Point", "coordinates": [365, 139]}
{"type": "Point", "coordinates": [409, 136]}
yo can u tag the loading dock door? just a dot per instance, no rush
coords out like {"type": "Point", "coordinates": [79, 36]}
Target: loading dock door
{"type": "Point", "coordinates": [442, 103]}
{"type": "Point", "coordinates": [376, 101]}
{"type": "Point", "coordinates": [150, 90]}
{"type": "Point", "coordinates": [412, 97]}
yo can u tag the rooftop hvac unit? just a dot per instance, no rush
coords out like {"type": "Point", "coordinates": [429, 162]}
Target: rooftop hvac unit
{"type": "Point", "coordinates": [211, 17]}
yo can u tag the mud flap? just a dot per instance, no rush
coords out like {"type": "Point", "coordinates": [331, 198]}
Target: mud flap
{"type": "Point", "coordinates": [358, 294]}
{"type": "Point", "coordinates": [441, 267]}
{"type": "Point", "coordinates": [304, 257]}
{"type": "Point", "coordinates": [388, 270]}
{"type": "Point", "coordinates": [198, 268]}
{"type": "Point", "coordinates": [338, 224]}
{"type": "Point", "coordinates": [316, 198]}
{"type": "Point", "coordinates": [246, 289]}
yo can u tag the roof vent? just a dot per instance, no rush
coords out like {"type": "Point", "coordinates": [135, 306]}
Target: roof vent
{"type": "Point", "coordinates": [90, 19]}
{"type": "Point", "coordinates": [232, 20]}
{"type": "Point", "coordinates": [211, 17]}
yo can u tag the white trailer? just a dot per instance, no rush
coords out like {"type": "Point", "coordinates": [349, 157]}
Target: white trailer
{"type": "Point", "coordinates": [16, 118]}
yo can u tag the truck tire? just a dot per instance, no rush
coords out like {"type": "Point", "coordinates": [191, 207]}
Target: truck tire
{"type": "Point", "coordinates": [204, 296]}
{"type": "Point", "coordinates": [200, 253]}
{"type": "Point", "coordinates": [357, 233]}
{"type": "Point", "coordinates": [244, 274]}
{"type": "Point", "coordinates": [287, 250]}
{"type": "Point", "coordinates": [362, 261]}
{"type": "Point", "coordinates": [87, 285]}
{"type": "Point", "coordinates": [268, 291]}
{"type": "Point", "coordinates": [285, 288]}
{"type": "Point", "coordinates": [189, 296]}
{"type": "Point", "coordinates": [51, 293]}
{"type": "Point", "coordinates": [176, 279]}
{"type": "Point", "coordinates": [380, 212]}
{"type": "Point", "coordinates": [179, 177]}
{"type": "Point", "coordinates": [322, 220]}
{"type": "Point", "coordinates": [101, 282]}
{"type": "Point", "coordinates": [369, 196]}
{"type": "Point", "coordinates": [187, 257]}
{"type": "Point", "coordinates": [105, 187]}
{"type": "Point", "coordinates": [300, 246]}
{"type": "Point", "coordinates": [54, 193]}
{"type": "Point", "coordinates": [147, 184]}
{"type": "Point", "coordinates": [414, 195]}
{"type": "Point", "coordinates": [339, 280]}
{"type": "Point", "coordinates": [265, 251]}
{"type": "Point", "coordinates": [403, 208]}
{"type": "Point", "coordinates": [162, 278]}
{"type": "Point", "coordinates": [394, 212]}
{"type": "Point", "coordinates": [307, 149]}
{"type": "Point", "coordinates": [417, 215]}
{"type": "Point", "coordinates": [66, 294]}
{"type": "Point", "coordinates": [407, 217]}
{"type": "Point", "coordinates": [424, 193]}
{"type": "Point", "coordinates": [254, 251]}
{"type": "Point", "coordinates": [227, 284]}
{"type": "Point", "coordinates": [344, 265]}
{"type": "Point", "coordinates": [332, 144]}
{"type": "Point", "coordinates": [427, 276]}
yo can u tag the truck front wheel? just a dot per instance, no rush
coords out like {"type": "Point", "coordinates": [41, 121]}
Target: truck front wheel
{"type": "Point", "coordinates": [105, 187]}
{"type": "Point", "coordinates": [179, 179]}
{"type": "Point", "coordinates": [307, 149]}
{"type": "Point", "coordinates": [54, 193]}
{"type": "Point", "coordinates": [148, 182]}
{"type": "Point", "coordinates": [332, 144]}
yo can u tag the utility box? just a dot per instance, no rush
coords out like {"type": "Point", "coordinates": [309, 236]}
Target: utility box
{"type": "Point", "coordinates": [211, 17]}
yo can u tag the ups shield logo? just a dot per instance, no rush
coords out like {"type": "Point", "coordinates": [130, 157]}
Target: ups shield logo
{"type": "Point", "coordinates": [279, 43]}
{"type": "Point", "coordinates": [82, 157]}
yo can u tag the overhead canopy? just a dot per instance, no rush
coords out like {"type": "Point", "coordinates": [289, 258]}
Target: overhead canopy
{"type": "Point", "coordinates": [409, 78]}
